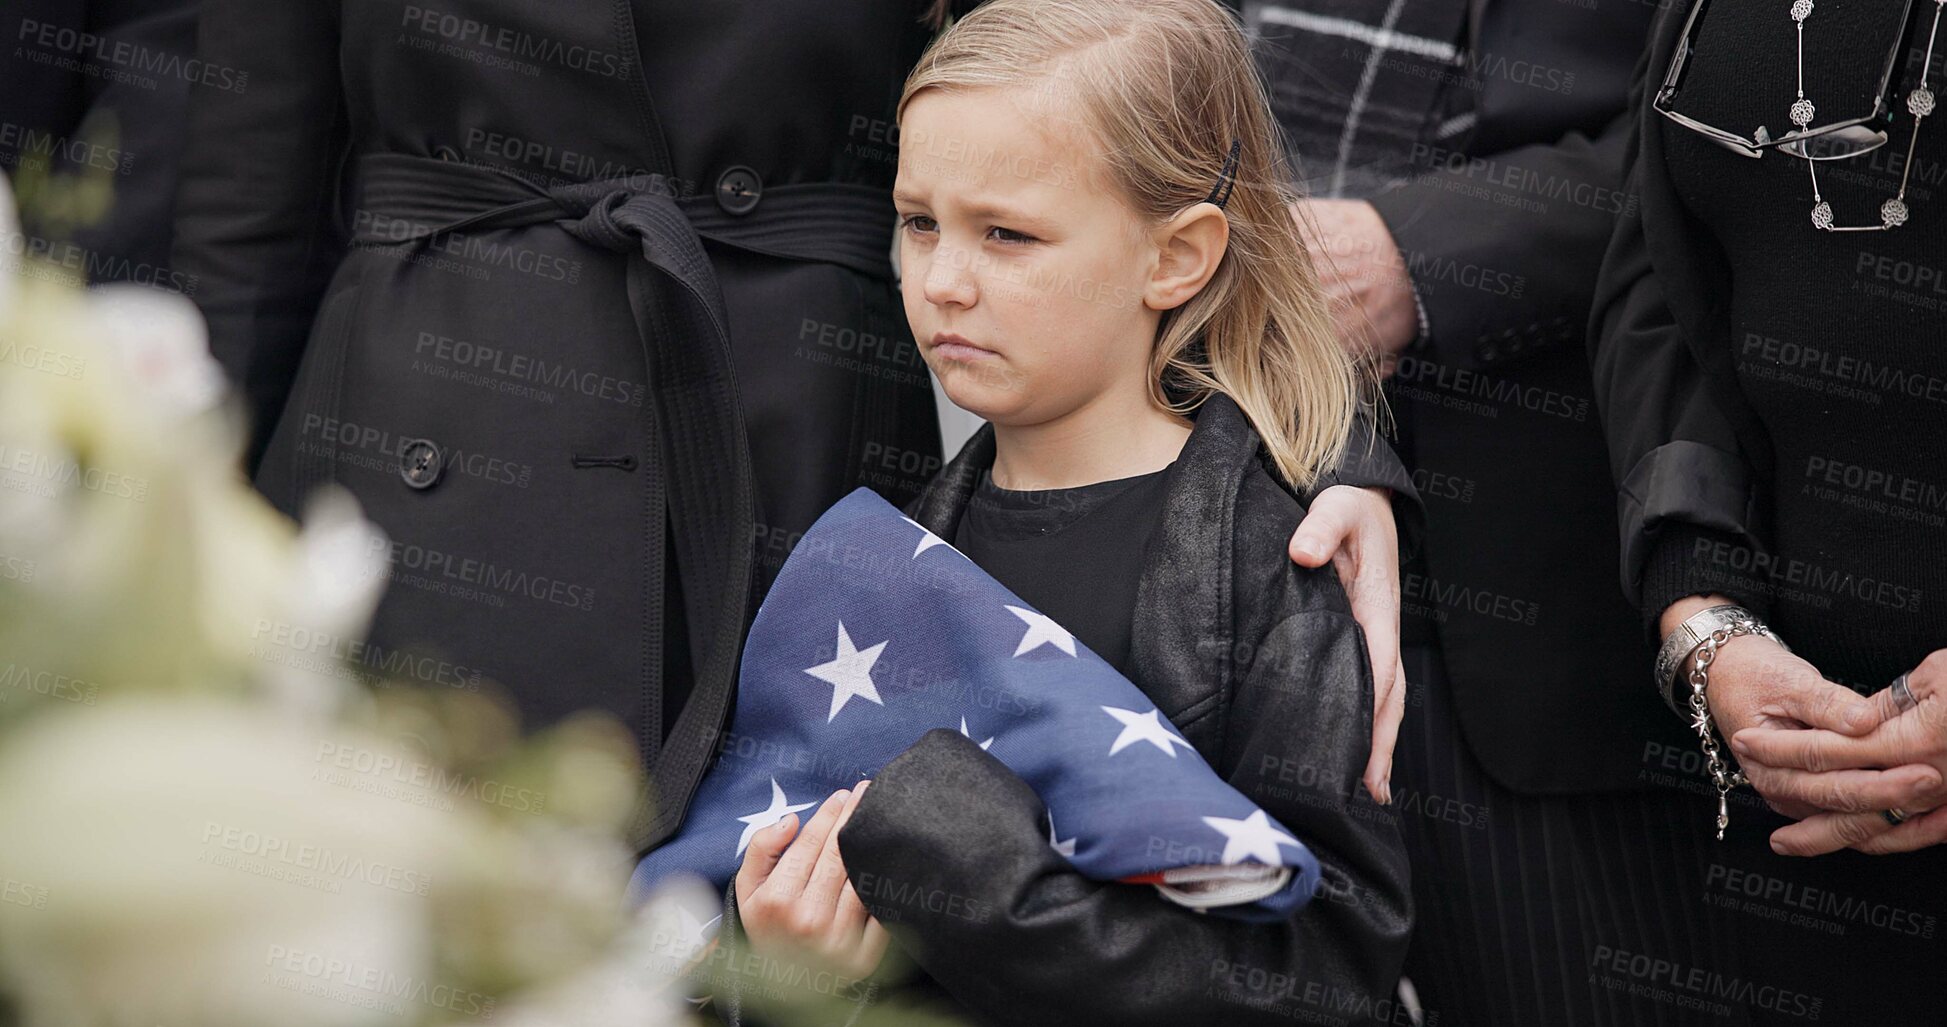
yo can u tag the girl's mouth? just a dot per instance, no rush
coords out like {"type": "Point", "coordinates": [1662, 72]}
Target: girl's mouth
{"type": "Point", "coordinates": [948, 346]}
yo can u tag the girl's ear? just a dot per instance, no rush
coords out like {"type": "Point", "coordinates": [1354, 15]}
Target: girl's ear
{"type": "Point", "coordinates": [1189, 247]}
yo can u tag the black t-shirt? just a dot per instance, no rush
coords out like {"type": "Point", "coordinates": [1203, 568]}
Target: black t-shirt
{"type": "Point", "coordinates": [1074, 554]}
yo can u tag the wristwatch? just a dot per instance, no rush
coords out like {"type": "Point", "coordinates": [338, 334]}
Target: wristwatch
{"type": "Point", "coordinates": [1679, 644]}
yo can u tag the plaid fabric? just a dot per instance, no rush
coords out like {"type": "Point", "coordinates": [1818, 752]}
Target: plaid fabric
{"type": "Point", "coordinates": [1356, 83]}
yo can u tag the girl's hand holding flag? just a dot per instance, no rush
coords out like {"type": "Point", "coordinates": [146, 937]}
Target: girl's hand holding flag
{"type": "Point", "coordinates": [795, 900]}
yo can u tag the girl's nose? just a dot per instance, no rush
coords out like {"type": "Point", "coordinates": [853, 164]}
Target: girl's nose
{"type": "Point", "coordinates": [950, 278]}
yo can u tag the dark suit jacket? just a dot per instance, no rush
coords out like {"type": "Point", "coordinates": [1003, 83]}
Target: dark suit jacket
{"type": "Point", "coordinates": [99, 87]}
{"type": "Point", "coordinates": [1503, 231]}
{"type": "Point", "coordinates": [1259, 665]}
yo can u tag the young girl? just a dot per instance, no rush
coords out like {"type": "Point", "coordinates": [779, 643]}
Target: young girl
{"type": "Point", "coordinates": [1098, 260]}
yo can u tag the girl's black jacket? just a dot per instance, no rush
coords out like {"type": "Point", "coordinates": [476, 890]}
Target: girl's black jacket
{"type": "Point", "coordinates": [1259, 664]}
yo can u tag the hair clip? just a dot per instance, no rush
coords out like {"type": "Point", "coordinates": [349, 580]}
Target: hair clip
{"type": "Point", "coordinates": [1220, 194]}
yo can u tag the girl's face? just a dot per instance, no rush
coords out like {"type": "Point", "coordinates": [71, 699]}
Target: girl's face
{"type": "Point", "coordinates": [1028, 282]}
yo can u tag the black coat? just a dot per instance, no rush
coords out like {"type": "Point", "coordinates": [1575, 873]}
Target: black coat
{"type": "Point", "coordinates": [1503, 227]}
{"type": "Point", "coordinates": [535, 403]}
{"type": "Point", "coordinates": [1259, 665]}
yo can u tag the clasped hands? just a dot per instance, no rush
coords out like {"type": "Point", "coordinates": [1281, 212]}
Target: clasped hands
{"type": "Point", "coordinates": [1832, 759]}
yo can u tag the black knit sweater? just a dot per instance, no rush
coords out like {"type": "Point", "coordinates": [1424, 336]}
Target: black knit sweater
{"type": "Point", "coordinates": [1840, 340]}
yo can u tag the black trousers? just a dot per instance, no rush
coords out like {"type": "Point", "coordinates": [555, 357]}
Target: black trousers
{"type": "Point", "coordinates": [1624, 909]}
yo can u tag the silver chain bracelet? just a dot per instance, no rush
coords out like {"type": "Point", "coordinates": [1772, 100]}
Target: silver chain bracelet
{"type": "Point", "coordinates": [1721, 775]}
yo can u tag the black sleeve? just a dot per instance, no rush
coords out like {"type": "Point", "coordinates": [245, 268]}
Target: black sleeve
{"type": "Point", "coordinates": [147, 111]}
{"type": "Point", "coordinates": [1498, 280]}
{"type": "Point", "coordinates": [254, 213]}
{"type": "Point", "coordinates": [1681, 470]}
{"type": "Point", "coordinates": [949, 850]}
{"type": "Point", "coordinates": [1686, 560]}
{"type": "Point", "coordinates": [1370, 462]}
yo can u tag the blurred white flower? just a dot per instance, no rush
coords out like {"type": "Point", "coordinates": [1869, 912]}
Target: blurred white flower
{"type": "Point", "coordinates": [639, 984]}
{"type": "Point", "coordinates": [203, 819]}
{"type": "Point", "coordinates": [32, 455]}
{"type": "Point", "coordinates": [330, 593]}
{"type": "Point", "coordinates": [12, 245]}
{"type": "Point", "coordinates": [342, 560]}
{"type": "Point", "coordinates": [155, 564]}
{"type": "Point", "coordinates": [162, 343]}
{"type": "Point", "coordinates": [178, 853]}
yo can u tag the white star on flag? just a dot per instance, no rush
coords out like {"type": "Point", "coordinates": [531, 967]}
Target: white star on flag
{"type": "Point", "coordinates": [1251, 838]}
{"type": "Point", "coordinates": [849, 673]}
{"type": "Point", "coordinates": [1143, 727]}
{"type": "Point", "coordinates": [1042, 630]}
{"type": "Point", "coordinates": [963, 730]}
{"type": "Point", "coordinates": [1066, 848]}
{"type": "Point", "coordinates": [694, 933]}
{"type": "Point", "coordinates": [927, 539]}
{"type": "Point", "coordinates": [764, 818]}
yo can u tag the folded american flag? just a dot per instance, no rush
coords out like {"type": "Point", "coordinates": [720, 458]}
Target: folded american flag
{"type": "Point", "coordinates": [877, 631]}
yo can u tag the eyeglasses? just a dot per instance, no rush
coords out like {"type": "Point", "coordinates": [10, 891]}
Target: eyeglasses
{"type": "Point", "coordinates": [1837, 140]}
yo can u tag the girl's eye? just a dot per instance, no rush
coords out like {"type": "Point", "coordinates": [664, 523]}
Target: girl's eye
{"type": "Point", "coordinates": [918, 223]}
{"type": "Point", "coordinates": [1010, 236]}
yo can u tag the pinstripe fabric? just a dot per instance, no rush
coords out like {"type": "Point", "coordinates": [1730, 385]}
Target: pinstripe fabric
{"type": "Point", "coordinates": [1549, 912]}
{"type": "Point", "coordinates": [1624, 910]}
{"type": "Point", "coordinates": [1861, 936]}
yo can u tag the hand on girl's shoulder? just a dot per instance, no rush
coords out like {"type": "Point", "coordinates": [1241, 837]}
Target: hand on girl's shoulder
{"type": "Point", "coordinates": [1265, 516]}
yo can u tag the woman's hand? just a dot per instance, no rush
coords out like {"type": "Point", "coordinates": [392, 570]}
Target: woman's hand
{"type": "Point", "coordinates": [1353, 528]}
{"type": "Point", "coordinates": [1756, 684]}
{"type": "Point", "coordinates": [795, 900]}
{"type": "Point", "coordinates": [1911, 743]}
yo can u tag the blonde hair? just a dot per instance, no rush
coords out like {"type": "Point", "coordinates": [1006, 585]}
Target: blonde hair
{"type": "Point", "coordinates": [1166, 86]}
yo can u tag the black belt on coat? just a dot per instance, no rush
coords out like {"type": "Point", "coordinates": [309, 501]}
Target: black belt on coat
{"type": "Point", "coordinates": [679, 313]}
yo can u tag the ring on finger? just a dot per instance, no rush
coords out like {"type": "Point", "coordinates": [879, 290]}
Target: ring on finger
{"type": "Point", "coordinates": [1903, 697]}
{"type": "Point", "coordinates": [1894, 816]}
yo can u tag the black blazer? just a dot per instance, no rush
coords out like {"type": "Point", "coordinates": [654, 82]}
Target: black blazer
{"type": "Point", "coordinates": [1503, 230]}
{"type": "Point", "coordinates": [122, 120]}
{"type": "Point", "coordinates": [1260, 666]}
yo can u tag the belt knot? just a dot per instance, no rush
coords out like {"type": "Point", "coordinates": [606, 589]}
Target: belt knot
{"type": "Point", "coordinates": [611, 217]}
